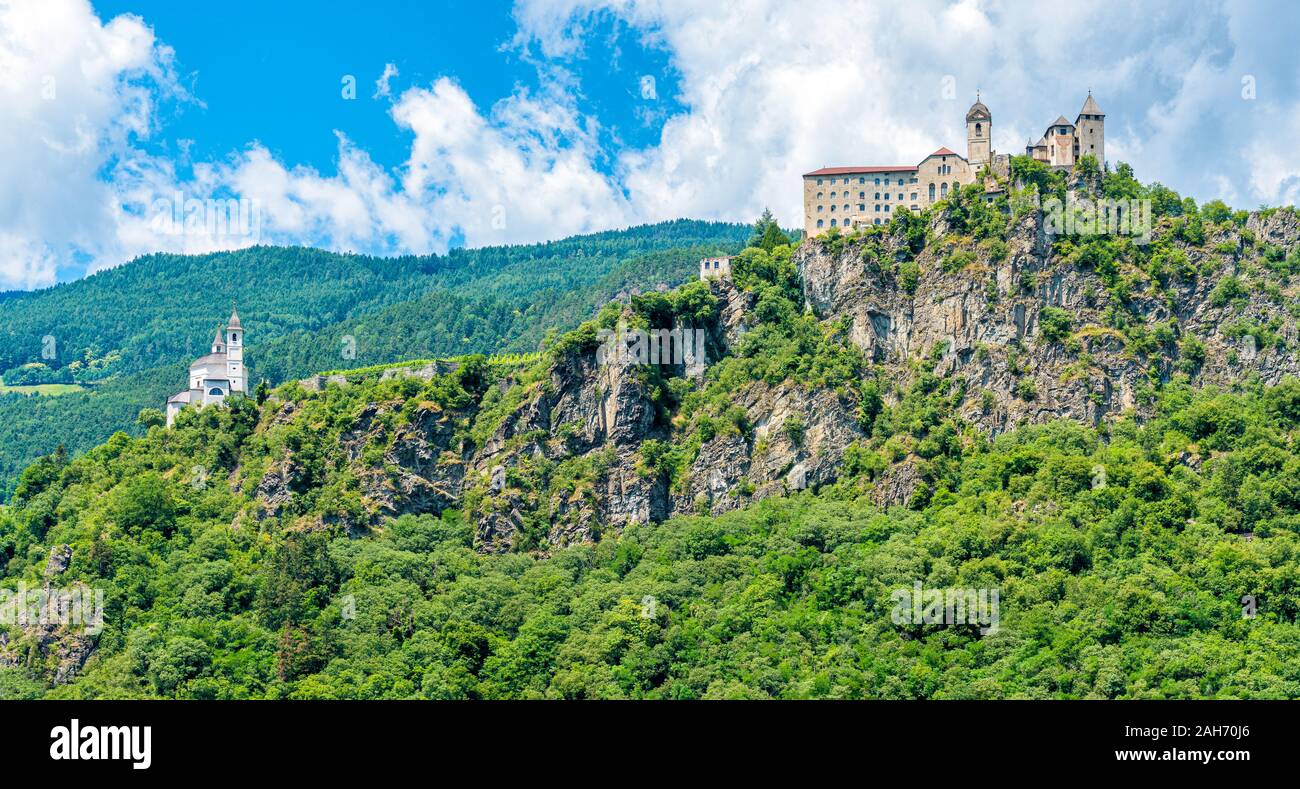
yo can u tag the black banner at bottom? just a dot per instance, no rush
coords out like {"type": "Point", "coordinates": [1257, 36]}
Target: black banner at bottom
{"type": "Point", "coordinates": [605, 741]}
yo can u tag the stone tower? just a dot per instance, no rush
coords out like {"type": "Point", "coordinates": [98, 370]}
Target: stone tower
{"type": "Point", "coordinates": [1090, 132]}
{"type": "Point", "coordinates": [979, 133]}
{"type": "Point", "coordinates": [235, 352]}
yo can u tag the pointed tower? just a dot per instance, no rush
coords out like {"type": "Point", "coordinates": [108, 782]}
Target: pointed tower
{"type": "Point", "coordinates": [1090, 132]}
{"type": "Point", "coordinates": [979, 133]}
{"type": "Point", "coordinates": [235, 352]}
{"type": "Point", "coordinates": [218, 345]}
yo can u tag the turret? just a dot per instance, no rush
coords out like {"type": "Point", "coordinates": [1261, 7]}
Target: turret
{"type": "Point", "coordinates": [1090, 132]}
{"type": "Point", "coordinates": [218, 346]}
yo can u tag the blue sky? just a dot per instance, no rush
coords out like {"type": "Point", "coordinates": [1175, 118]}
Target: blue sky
{"type": "Point", "coordinates": [494, 122]}
{"type": "Point", "coordinates": [278, 80]}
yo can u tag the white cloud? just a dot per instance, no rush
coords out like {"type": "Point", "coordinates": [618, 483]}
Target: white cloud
{"type": "Point", "coordinates": [76, 94]}
{"type": "Point", "coordinates": [767, 90]}
{"type": "Point", "coordinates": [381, 85]}
{"type": "Point", "coordinates": [773, 89]}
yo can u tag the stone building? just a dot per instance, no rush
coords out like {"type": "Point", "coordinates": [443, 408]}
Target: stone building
{"type": "Point", "coordinates": [849, 197]}
{"type": "Point", "coordinates": [715, 268]}
{"type": "Point", "coordinates": [217, 375]}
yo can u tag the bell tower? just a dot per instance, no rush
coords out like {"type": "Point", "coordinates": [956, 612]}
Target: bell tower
{"type": "Point", "coordinates": [979, 134]}
{"type": "Point", "coordinates": [235, 352]}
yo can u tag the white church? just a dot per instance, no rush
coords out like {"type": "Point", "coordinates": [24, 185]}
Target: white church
{"type": "Point", "coordinates": [217, 375]}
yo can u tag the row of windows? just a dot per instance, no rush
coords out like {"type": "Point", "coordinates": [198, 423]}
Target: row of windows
{"type": "Point", "coordinates": [848, 222]}
{"type": "Point", "coordinates": [862, 180]}
{"type": "Point", "coordinates": [863, 195]}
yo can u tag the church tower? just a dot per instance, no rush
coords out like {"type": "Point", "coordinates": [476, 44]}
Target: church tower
{"type": "Point", "coordinates": [235, 352]}
{"type": "Point", "coordinates": [979, 134]}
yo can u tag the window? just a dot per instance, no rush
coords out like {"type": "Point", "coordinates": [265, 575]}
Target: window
{"type": "Point", "coordinates": [846, 181]}
{"type": "Point", "coordinates": [832, 223]}
{"type": "Point", "coordinates": [846, 206]}
{"type": "Point", "coordinates": [877, 195]}
{"type": "Point", "coordinates": [862, 195]}
{"type": "Point", "coordinates": [819, 223]}
{"type": "Point", "coordinates": [886, 209]}
{"type": "Point", "coordinates": [877, 209]}
{"type": "Point", "coordinates": [877, 182]}
{"type": "Point", "coordinates": [819, 182]}
{"type": "Point", "coordinates": [832, 209]}
{"type": "Point", "coordinates": [979, 130]}
{"type": "Point", "coordinates": [886, 195]}
{"type": "Point", "coordinates": [943, 190]}
{"type": "Point", "coordinates": [819, 195]}
{"type": "Point", "coordinates": [216, 392]}
{"type": "Point", "coordinates": [234, 338]}
{"type": "Point", "coordinates": [900, 195]}
{"type": "Point", "coordinates": [862, 180]}
{"type": "Point", "coordinates": [833, 194]}
{"type": "Point", "coordinates": [913, 195]}
{"type": "Point", "coordinates": [900, 181]}
{"type": "Point", "coordinates": [875, 221]}
{"type": "Point", "coordinates": [862, 206]}
{"type": "Point", "coordinates": [819, 208]}
{"type": "Point", "coordinates": [931, 195]}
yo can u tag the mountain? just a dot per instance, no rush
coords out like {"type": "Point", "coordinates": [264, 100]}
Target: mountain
{"type": "Point", "coordinates": [129, 332]}
{"type": "Point", "coordinates": [1071, 430]}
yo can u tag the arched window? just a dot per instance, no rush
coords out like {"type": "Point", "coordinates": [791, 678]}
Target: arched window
{"type": "Point", "coordinates": [943, 189]}
{"type": "Point", "coordinates": [216, 392]}
{"type": "Point", "coordinates": [931, 193]}
{"type": "Point", "coordinates": [819, 223]}
{"type": "Point", "coordinates": [234, 338]}
{"type": "Point", "coordinates": [832, 223]}
{"type": "Point", "coordinates": [979, 130]}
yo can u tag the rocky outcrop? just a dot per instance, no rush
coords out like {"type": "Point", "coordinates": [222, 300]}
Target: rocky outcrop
{"type": "Point", "coordinates": [1024, 331]}
{"type": "Point", "coordinates": [983, 322]}
{"type": "Point", "coordinates": [55, 628]}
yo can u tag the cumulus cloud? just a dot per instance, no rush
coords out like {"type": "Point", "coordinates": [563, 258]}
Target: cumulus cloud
{"type": "Point", "coordinates": [773, 89]}
{"type": "Point", "coordinates": [381, 85]}
{"type": "Point", "coordinates": [77, 94]}
{"type": "Point", "coordinates": [766, 90]}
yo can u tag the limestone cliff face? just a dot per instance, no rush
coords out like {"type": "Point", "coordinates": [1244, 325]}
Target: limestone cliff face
{"type": "Point", "coordinates": [561, 459]}
{"type": "Point", "coordinates": [984, 322]}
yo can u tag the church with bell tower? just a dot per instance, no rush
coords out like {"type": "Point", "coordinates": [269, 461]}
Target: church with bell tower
{"type": "Point", "coordinates": [850, 197]}
{"type": "Point", "coordinates": [218, 374]}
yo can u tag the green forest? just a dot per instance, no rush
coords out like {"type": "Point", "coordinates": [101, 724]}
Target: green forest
{"type": "Point", "coordinates": [1152, 557]}
{"type": "Point", "coordinates": [129, 332]}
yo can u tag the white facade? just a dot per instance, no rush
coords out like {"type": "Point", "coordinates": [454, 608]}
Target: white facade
{"type": "Point", "coordinates": [216, 376]}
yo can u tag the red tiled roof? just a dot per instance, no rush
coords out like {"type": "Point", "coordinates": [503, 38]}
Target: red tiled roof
{"type": "Point", "coordinates": [855, 170]}
{"type": "Point", "coordinates": [944, 152]}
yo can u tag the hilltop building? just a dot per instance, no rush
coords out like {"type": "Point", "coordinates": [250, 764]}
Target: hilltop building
{"type": "Point", "coordinates": [849, 197]}
{"type": "Point", "coordinates": [217, 375]}
{"type": "Point", "coordinates": [715, 268]}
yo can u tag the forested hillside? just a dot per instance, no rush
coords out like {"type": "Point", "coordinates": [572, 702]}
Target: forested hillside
{"type": "Point", "coordinates": [1106, 433]}
{"type": "Point", "coordinates": [131, 330]}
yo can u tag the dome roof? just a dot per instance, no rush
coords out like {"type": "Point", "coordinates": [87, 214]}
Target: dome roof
{"type": "Point", "coordinates": [978, 111]}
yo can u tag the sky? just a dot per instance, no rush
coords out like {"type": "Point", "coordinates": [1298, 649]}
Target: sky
{"type": "Point", "coordinates": [132, 126]}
